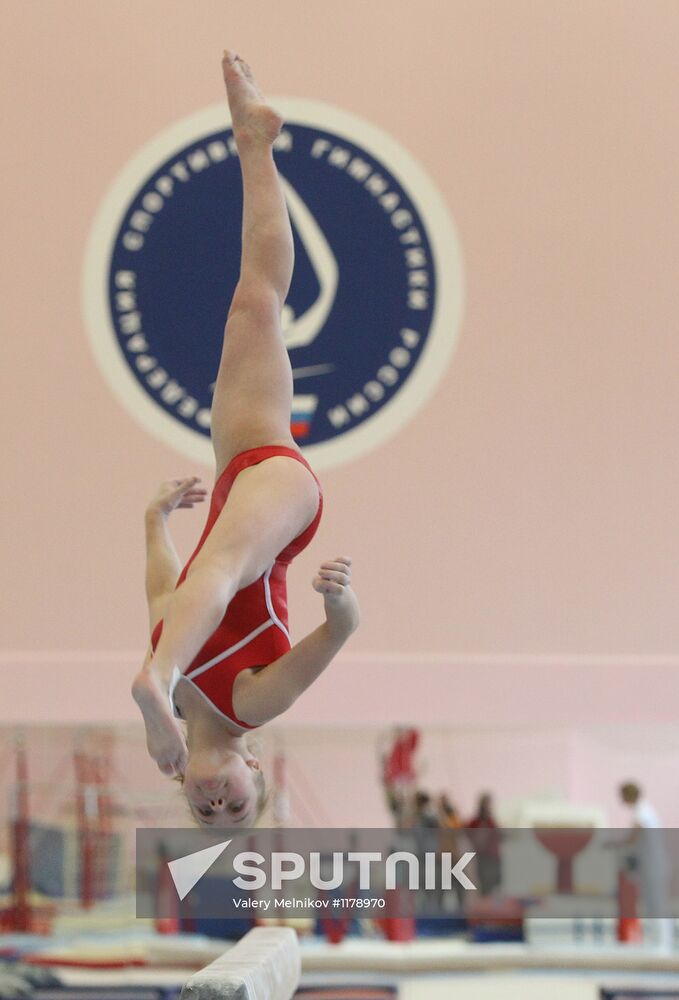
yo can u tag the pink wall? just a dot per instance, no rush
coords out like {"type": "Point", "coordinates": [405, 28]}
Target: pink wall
{"type": "Point", "coordinates": [333, 771]}
{"type": "Point", "coordinates": [515, 544]}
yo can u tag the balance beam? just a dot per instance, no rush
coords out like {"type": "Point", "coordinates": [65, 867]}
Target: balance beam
{"type": "Point", "coordinates": [264, 965]}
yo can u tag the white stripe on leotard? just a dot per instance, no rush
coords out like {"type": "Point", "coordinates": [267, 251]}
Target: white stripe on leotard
{"type": "Point", "coordinates": [232, 649]}
{"type": "Point", "coordinates": [237, 725]}
{"type": "Point", "coordinates": [177, 675]}
{"type": "Point", "coordinates": [275, 620]}
{"type": "Point", "coordinates": [174, 680]}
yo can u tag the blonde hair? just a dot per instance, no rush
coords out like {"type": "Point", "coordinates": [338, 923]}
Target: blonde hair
{"type": "Point", "coordinates": [262, 793]}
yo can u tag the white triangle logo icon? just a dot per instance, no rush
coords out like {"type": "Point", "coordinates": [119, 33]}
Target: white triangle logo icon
{"type": "Point", "coordinates": [188, 870]}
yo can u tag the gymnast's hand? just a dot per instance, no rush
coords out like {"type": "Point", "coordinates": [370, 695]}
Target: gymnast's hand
{"type": "Point", "coordinates": [333, 580]}
{"type": "Point", "coordinates": [176, 493]}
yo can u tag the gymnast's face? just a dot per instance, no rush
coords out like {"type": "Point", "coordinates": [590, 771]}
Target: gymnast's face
{"type": "Point", "coordinates": [221, 790]}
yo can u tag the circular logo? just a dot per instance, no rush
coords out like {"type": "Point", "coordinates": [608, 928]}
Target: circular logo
{"type": "Point", "coordinates": [375, 301]}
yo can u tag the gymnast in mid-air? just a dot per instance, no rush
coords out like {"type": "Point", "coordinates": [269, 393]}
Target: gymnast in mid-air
{"type": "Point", "coordinates": [220, 662]}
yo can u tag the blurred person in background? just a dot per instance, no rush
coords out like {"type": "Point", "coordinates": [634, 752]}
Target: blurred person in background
{"type": "Point", "coordinates": [485, 840]}
{"type": "Point", "coordinates": [450, 822]}
{"type": "Point", "coordinates": [425, 822]}
{"type": "Point", "coordinates": [425, 813]}
{"type": "Point", "coordinates": [647, 842]}
{"type": "Point", "coordinates": [449, 817]}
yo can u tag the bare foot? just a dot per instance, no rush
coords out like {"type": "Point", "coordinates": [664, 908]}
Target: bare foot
{"type": "Point", "coordinates": [164, 738]}
{"type": "Point", "coordinates": [252, 118]}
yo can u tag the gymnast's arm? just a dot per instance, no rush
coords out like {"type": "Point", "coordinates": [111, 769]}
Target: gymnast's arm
{"type": "Point", "coordinates": [162, 562]}
{"type": "Point", "coordinates": [272, 690]}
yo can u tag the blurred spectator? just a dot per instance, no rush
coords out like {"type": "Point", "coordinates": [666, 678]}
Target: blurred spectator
{"type": "Point", "coordinates": [486, 842]}
{"type": "Point", "coordinates": [449, 840]}
{"type": "Point", "coordinates": [425, 814]}
{"type": "Point", "coordinates": [425, 821]}
{"type": "Point", "coordinates": [449, 821]}
{"type": "Point", "coordinates": [449, 817]}
{"type": "Point", "coordinates": [650, 850]}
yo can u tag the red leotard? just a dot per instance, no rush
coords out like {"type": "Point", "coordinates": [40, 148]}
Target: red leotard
{"type": "Point", "coordinates": [254, 630]}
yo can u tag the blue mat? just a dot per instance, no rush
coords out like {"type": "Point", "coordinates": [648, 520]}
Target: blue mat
{"type": "Point", "coordinates": [638, 994]}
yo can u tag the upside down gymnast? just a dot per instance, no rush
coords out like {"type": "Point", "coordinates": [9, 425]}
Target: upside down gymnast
{"type": "Point", "coordinates": [220, 662]}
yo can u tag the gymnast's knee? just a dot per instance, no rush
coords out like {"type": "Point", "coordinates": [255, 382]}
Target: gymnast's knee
{"type": "Point", "coordinates": [258, 300]}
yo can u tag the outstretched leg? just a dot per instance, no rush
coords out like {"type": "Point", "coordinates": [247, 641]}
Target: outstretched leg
{"type": "Point", "coordinates": [253, 392]}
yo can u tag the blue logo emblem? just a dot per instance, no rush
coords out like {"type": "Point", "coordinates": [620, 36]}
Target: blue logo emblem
{"type": "Point", "coordinates": [364, 321]}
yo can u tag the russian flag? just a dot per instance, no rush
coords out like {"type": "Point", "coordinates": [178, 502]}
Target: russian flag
{"type": "Point", "coordinates": [303, 409]}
